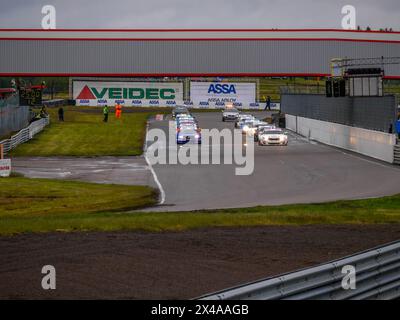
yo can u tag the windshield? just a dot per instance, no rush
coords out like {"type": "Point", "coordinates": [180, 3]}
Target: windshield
{"type": "Point", "coordinates": [272, 132]}
{"type": "Point", "coordinates": [181, 111]}
{"type": "Point", "coordinates": [187, 131]}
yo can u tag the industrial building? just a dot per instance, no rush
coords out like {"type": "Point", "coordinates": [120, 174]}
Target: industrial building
{"type": "Point", "coordinates": [190, 53]}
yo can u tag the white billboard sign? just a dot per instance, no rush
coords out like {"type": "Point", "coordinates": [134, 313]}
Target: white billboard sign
{"type": "Point", "coordinates": [100, 93]}
{"type": "Point", "coordinates": [221, 92]}
{"type": "Point", "coordinates": [5, 167]}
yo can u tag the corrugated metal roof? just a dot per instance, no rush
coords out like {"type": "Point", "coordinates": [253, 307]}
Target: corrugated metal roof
{"type": "Point", "coordinates": [207, 34]}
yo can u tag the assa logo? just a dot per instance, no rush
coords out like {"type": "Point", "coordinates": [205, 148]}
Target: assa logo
{"type": "Point", "coordinates": [222, 88]}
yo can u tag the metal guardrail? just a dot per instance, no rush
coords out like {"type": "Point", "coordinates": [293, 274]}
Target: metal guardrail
{"type": "Point", "coordinates": [55, 102]}
{"type": "Point", "coordinates": [377, 277]}
{"type": "Point", "coordinates": [25, 134]}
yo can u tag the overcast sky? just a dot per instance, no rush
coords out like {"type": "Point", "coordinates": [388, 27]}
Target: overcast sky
{"type": "Point", "coordinates": [126, 14]}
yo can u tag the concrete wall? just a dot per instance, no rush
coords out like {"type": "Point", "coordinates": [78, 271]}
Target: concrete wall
{"type": "Point", "coordinates": [371, 143]}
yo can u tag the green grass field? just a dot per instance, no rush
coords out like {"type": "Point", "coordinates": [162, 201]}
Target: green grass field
{"type": "Point", "coordinates": [22, 198]}
{"type": "Point", "coordinates": [38, 205]}
{"type": "Point", "coordinates": [84, 134]}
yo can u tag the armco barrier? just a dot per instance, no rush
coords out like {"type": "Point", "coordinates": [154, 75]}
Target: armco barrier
{"type": "Point", "coordinates": [375, 144]}
{"type": "Point", "coordinates": [25, 134]}
{"type": "Point", "coordinates": [55, 102]}
{"type": "Point", "coordinates": [377, 277]}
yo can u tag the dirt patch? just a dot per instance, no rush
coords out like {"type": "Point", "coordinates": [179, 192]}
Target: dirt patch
{"type": "Point", "coordinates": [137, 265]}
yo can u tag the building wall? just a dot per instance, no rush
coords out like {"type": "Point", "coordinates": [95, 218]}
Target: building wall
{"type": "Point", "coordinates": [290, 53]}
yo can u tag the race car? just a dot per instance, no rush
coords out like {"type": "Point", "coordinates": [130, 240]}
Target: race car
{"type": "Point", "coordinates": [260, 128]}
{"type": "Point", "coordinates": [245, 125]}
{"type": "Point", "coordinates": [272, 137]}
{"type": "Point", "coordinates": [242, 118]}
{"type": "Point", "coordinates": [254, 124]}
{"type": "Point", "coordinates": [188, 134]}
{"type": "Point", "coordinates": [249, 126]}
{"type": "Point", "coordinates": [183, 116]}
{"type": "Point", "coordinates": [179, 110]}
{"type": "Point", "coordinates": [187, 123]}
{"type": "Point", "coordinates": [230, 114]}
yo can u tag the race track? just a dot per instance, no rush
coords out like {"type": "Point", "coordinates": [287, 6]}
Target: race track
{"type": "Point", "coordinates": [303, 172]}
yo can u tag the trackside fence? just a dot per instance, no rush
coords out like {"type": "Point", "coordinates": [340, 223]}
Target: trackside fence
{"type": "Point", "coordinates": [25, 134]}
{"type": "Point", "coordinates": [377, 278]}
{"type": "Point", "coordinates": [13, 117]}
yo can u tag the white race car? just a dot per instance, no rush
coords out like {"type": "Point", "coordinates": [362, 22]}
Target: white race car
{"type": "Point", "coordinates": [242, 118]}
{"type": "Point", "coordinates": [230, 114]}
{"type": "Point", "coordinates": [272, 137]}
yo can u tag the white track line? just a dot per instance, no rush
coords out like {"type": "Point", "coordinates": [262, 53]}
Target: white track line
{"type": "Point", "coordinates": [162, 192]}
{"type": "Point", "coordinates": [159, 185]}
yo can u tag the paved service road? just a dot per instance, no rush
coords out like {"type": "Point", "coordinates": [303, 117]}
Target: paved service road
{"type": "Point", "coordinates": [302, 172]}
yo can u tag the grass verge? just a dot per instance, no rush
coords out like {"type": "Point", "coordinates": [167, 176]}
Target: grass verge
{"type": "Point", "coordinates": [35, 205]}
{"type": "Point", "coordinates": [85, 134]}
{"type": "Point", "coordinates": [24, 200]}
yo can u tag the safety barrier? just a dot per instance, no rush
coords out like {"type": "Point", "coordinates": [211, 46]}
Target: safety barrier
{"type": "Point", "coordinates": [375, 144]}
{"type": "Point", "coordinates": [55, 102]}
{"type": "Point", "coordinates": [25, 134]}
{"type": "Point", "coordinates": [237, 105]}
{"type": "Point", "coordinates": [377, 277]}
{"type": "Point", "coordinates": [173, 103]}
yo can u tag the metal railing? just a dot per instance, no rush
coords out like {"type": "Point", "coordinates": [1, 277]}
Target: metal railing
{"type": "Point", "coordinates": [377, 277]}
{"type": "Point", "coordinates": [25, 134]}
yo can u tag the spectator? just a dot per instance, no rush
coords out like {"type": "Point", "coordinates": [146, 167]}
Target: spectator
{"type": "Point", "coordinates": [268, 105]}
{"type": "Point", "coordinates": [43, 112]}
{"type": "Point", "coordinates": [105, 113]}
{"type": "Point", "coordinates": [398, 126]}
{"type": "Point", "coordinates": [61, 114]}
{"type": "Point", "coordinates": [118, 111]}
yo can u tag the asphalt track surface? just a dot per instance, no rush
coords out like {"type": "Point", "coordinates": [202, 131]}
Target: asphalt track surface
{"type": "Point", "coordinates": [302, 172]}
